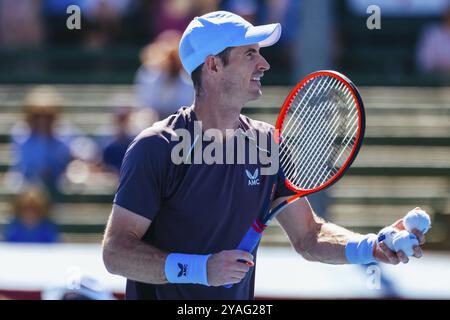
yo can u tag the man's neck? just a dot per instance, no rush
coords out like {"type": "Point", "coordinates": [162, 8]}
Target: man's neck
{"type": "Point", "coordinates": [217, 114]}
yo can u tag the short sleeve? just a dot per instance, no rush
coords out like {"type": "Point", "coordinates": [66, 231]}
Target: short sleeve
{"type": "Point", "coordinates": [142, 177]}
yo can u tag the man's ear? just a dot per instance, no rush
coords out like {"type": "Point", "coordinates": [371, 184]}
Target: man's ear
{"type": "Point", "coordinates": [211, 64]}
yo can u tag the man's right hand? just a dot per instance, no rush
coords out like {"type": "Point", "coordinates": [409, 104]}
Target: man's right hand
{"type": "Point", "coordinates": [224, 267]}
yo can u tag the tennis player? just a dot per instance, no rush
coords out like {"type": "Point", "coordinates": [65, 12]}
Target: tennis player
{"type": "Point", "coordinates": [173, 227]}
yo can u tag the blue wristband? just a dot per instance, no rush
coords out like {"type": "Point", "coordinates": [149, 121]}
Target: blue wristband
{"type": "Point", "coordinates": [187, 268]}
{"type": "Point", "coordinates": [360, 251]}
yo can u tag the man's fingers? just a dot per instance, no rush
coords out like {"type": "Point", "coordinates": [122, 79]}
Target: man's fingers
{"type": "Point", "coordinates": [417, 251]}
{"type": "Point", "coordinates": [402, 257]}
{"type": "Point", "coordinates": [419, 236]}
{"type": "Point", "coordinates": [241, 267]}
{"type": "Point", "coordinates": [234, 280]}
{"type": "Point", "coordinates": [399, 224]}
{"type": "Point", "coordinates": [392, 257]}
{"type": "Point", "coordinates": [238, 274]}
{"type": "Point", "coordinates": [242, 255]}
{"type": "Point", "coordinates": [236, 277]}
{"type": "Point", "coordinates": [380, 255]}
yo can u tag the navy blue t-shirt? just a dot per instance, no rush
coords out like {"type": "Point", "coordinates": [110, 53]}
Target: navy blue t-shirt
{"type": "Point", "coordinates": [194, 208]}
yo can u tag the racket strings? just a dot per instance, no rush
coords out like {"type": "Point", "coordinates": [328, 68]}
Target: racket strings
{"type": "Point", "coordinates": [319, 132]}
{"type": "Point", "coordinates": [321, 170]}
{"type": "Point", "coordinates": [310, 85]}
{"type": "Point", "coordinates": [307, 126]}
{"type": "Point", "coordinates": [323, 124]}
{"type": "Point", "coordinates": [318, 169]}
{"type": "Point", "coordinates": [290, 139]}
{"type": "Point", "coordinates": [299, 119]}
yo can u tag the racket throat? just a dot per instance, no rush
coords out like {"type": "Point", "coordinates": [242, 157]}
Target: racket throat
{"type": "Point", "coordinates": [280, 207]}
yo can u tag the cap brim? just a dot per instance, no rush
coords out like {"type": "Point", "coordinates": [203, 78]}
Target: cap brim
{"type": "Point", "coordinates": [265, 35]}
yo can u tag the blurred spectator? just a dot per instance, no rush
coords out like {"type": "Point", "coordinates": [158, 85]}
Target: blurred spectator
{"type": "Point", "coordinates": [433, 51]}
{"type": "Point", "coordinates": [200, 7]}
{"type": "Point", "coordinates": [172, 14]}
{"type": "Point", "coordinates": [161, 82]}
{"type": "Point", "coordinates": [104, 19]}
{"type": "Point", "coordinates": [21, 23]}
{"type": "Point", "coordinates": [114, 152]}
{"type": "Point", "coordinates": [246, 9]}
{"type": "Point", "coordinates": [176, 14]}
{"type": "Point", "coordinates": [31, 222]}
{"type": "Point", "coordinates": [40, 155]}
{"type": "Point", "coordinates": [138, 25]}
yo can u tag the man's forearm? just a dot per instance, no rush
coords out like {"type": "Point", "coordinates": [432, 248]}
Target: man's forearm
{"type": "Point", "coordinates": [328, 244]}
{"type": "Point", "coordinates": [135, 260]}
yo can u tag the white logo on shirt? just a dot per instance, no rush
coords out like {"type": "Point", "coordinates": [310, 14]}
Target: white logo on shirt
{"type": "Point", "coordinates": [253, 179]}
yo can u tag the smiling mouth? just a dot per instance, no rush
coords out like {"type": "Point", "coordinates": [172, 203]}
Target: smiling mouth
{"type": "Point", "coordinates": [257, 81]}
{"type": "Point", "coordinates": [257, 77]}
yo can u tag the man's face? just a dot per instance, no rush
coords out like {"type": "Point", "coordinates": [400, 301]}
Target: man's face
{"type": "Point", "coordinates": [241, 76]}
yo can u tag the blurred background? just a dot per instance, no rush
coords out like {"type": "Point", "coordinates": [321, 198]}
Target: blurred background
{"type": "Point", "coordinates": [71, 100]}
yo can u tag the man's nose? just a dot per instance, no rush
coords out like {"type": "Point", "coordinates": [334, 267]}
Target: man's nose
{"type": "Point", "coordinates": [263, 64]}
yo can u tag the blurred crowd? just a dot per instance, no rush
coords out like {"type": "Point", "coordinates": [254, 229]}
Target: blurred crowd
{"type": "Point", "coordinates": [433, 50]}
{"type": "Point", "coordinates": [51, 156]}
{"type": "Point", "coordinates": [49, 152]}
{"type": "Point", "coordinates": [109, 23]}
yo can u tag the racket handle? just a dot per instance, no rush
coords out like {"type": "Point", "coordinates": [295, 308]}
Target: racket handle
{"type": "Point", "coordinates": [250, 240]}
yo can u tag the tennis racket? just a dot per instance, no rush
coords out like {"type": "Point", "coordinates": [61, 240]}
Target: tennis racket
{"type": "Point", "coordinates": [319, 132]}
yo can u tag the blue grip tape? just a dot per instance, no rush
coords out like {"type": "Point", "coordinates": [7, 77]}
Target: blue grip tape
{"type": "Point", "coordinates": [250, 240]}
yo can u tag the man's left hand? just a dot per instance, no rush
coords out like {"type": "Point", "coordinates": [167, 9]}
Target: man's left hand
{"type": "Point", "coordinates": [384, 254]}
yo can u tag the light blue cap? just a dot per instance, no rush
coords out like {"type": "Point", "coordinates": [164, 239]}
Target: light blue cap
{"type": "Point", "coordinates": [213, 32]}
